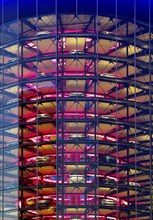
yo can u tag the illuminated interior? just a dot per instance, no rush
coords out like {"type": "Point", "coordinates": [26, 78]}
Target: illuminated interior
{"type": "Point", "coordinates": [78, 107]}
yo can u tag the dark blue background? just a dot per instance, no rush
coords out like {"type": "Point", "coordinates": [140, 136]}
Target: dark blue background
{"type": "Point", "coordinates": [125, 8]}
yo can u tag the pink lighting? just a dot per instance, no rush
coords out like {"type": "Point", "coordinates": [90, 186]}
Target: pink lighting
{"type": "Point", "coordinates": [31, 44]}
{"type": "Point", "coordinates": [111, 139]}
{"type": "Point", "coordinates": [40, 138]}
{"type": "Point", "coordinates": [32, 86]}
{"type": "Point", "coordinates": [101, 217]}
{"type": "Point", "coordinates": [70, 119]}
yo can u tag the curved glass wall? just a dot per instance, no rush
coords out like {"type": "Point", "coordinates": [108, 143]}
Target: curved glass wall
{"type": "Point", "coordinates": [9, 125]}
{"type": "Point", "coordinates": [84, 113]}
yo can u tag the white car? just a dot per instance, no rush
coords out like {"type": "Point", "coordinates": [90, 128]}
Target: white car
{"type": "Point", "coordinates": [111, 117]}
{"type": "Point", "coordinates": [40, 117]}
{"type": "Point", "coordinates": [76, 51]}
{"type": "Point", "coordinates": [107, 202]}
{"type": "Point", "coordinates": [76, 178]}
{"type": "Point", "coordinates": [76, 136]}
{"type": "Point", "coordinates": [42, 33]}
{"type": "Point", "coordinates": [109, 75]}
{"type": "Point", "coordinates": [74, 94]}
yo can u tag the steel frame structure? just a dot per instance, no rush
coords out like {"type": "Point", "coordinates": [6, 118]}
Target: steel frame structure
{"type": "Point", "coordinates": [99, 104]}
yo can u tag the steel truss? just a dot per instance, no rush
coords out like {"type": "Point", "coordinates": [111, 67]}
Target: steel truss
{"type": "Point", "coordinates": [85, 119]}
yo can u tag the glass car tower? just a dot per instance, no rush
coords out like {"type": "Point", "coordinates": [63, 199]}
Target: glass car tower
{"type": "Point", "coordinates": [76, 112]}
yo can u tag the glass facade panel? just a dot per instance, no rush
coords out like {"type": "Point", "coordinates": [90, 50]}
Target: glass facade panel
{"type": "Point", "coordinates": [75, 112]}
{"type": "Point", "coordinates": [9, 114]}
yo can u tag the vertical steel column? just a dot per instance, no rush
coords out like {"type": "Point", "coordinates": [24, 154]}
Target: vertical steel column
{"type": "Point", "coordinates": [21, 179]}
{"type": "Point", "coordinates": [96, 115]}
{"type": "Point", "coordinates": [127, 129]}
{"type": "Point", "coordinates": [57, 120]}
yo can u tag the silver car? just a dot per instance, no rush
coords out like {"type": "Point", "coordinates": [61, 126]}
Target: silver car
{"type": "Point", "coordinates": [42, 33]}
{"type": "Point", "coordinates": [107, 202]}
{"type": "Point", "coordinates": [42, 159]}
{"type": "Point", "coordinates": [76, 136]}
{"type": "Point", "coordinates": [76, 178]}
{"type": "Point", "coordinates": [44, 202]}
{"type": "Point", "coordinates": [76, 51]}
{"type": "Point", "coordinates": [107, 158]}
{"type": "Point", "coordinates": [43, 116]}
{"type": "Point", "coordinates": [111, 117]}
{"type": "Point", "coordinates": [109, 75]}
{"type": "Point", "coordinates": [75, 94]}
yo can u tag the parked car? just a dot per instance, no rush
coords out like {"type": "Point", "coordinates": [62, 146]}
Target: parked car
{"type": "Point", "coordinates": [107, 202]}
{"type": "Point", "coordinates": [76, 94]}
{"type": "Point", "coordinates": [40, 117]}
{"type": "Point", "coordinates": [39, 33]}
{"type": "Point", "coordinates": [109, 75]}
{"type": "Point", "coordinates": [112, 201]}
{"type": "Point", "coordinates": [111, 117]}
{"type": "Point", "coordinates": [107, 158]}
{"type": "Point", "coordinates": [76, 178]}
{"type": "Point", "coordinates": [42, 203]}
{"type": "Point", "coordinates": [76, 51]}
{"type": "Point", "coordinates": [76, 136]}
{"type": "Point", "coordinates": [124, 182]}
{"type": "Point", "coordinates": [43, 116]}
{"type": "Point", "coordinates": [42, 159]}
{"type": "Point", "coordinates": [106, 180]}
